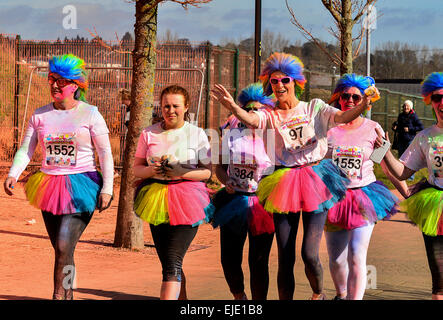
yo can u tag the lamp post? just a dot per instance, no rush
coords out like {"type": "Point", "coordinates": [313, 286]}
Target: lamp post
{"type": "Point", "coordinates": [257, 37]}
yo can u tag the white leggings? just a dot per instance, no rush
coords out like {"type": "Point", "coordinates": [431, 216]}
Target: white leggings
{"type": "Point", "coordinates": [347, 251]}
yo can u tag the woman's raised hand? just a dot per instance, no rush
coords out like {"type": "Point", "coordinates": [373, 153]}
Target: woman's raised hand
{"type": "Point", "coordinates": [223, 96]}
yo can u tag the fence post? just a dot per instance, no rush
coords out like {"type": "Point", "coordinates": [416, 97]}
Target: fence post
{"type": "Point", "coordinates": [236, 72]}
{"type": "Point", "coordinates": [208, 83]}
{"type": "Point", "coordinates": [16, 92]}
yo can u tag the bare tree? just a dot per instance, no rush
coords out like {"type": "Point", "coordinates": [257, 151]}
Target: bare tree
{"type": "Point", "coordinates": [272, 42]}
{"type": "Point", "coordinates": [129, 228]}
{"type": "Point", "coordinates": [346, 14]}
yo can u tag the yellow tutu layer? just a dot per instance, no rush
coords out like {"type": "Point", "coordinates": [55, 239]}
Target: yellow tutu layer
{"type": "Point", "coordinates": [151, 204]}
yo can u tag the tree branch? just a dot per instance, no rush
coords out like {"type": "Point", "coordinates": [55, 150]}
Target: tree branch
{"type": "Point", "coordinates": [332, 8]}
{"type": "Point", "coordinates": [310, 37]}
{"type": "Point", "coordinates": [362, 10]}
{"type": "Point", "coordinates": [103, 44]}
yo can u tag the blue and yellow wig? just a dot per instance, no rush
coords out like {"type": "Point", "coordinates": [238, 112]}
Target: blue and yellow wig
{"type": "Point", "coordinates": [71, 67]}
{"type": "Point", "coordinates": [350, 80]}
{"type": "Point", "coordinates": [289, 65]}
{"type": "Point", "coordinates": [254, 92]}
{"type": "Point", "coordinates": [432, 82]}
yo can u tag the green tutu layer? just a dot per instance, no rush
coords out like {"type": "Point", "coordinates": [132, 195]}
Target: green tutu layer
{"type": "Point", "coordinates": [424, 209]}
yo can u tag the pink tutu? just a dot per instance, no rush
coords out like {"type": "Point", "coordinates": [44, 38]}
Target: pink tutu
{"type": "Point", "coordinates": [362, 206]}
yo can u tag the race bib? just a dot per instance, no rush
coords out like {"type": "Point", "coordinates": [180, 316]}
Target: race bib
{"type": "Point", "coordinates": [60, 149]}
{"type": "Point", "coordinates": [297, 133]}
{"type": "Point", "coordinates": [436, 156]}
{"type": "Point", "coordinates": [349, 160]}
{"type": "Point", "coordinates": [244, 175]}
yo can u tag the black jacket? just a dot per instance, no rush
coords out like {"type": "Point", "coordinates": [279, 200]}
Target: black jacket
{"type": "Point", "coordinates": [412, 122]}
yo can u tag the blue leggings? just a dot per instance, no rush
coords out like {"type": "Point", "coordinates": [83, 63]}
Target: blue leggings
{"type": "Point", "coordinates": [286, 226]}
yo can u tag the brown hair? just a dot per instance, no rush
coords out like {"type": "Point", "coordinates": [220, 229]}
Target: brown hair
{"type": "Point", "coordinates": [176, 89]}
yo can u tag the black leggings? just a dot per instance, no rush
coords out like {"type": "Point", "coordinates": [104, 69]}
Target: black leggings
{"type": "Point", "coordinates": [171, 243]}
{"type": "Point", "coordinates": [286, 226]}
{"type": "Point", "coordinates": [231, 244]}
{"type": "Point", "coordinates": [64, 232]}
{"type": "Point", "coordinates": [434, 252]}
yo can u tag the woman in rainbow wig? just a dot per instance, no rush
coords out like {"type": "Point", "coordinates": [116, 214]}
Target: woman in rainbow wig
{"type": "Point", "coordinates": [68, 187]}
{"type": "Point", "coordinates": [350, 222]}
{"type": "Point", "coordinates": [302, 183]}
{"type": "Point", "coordinates": [243, 161]}
{"type": "Point", "coordinates": [425, 203]}
{"type": "Point", "coordinates": [173, 159]}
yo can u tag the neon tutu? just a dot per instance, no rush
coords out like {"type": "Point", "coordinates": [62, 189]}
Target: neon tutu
{"type": "Point", "coordinates": [240, 210]}
{"type": "Point", "coordinates": [177, 203]}
{"type": "Point", "coordinates": [362, 206]}
{"type": "Point", "coordinates": [425, 208]}
{"type": "Point", "coordinates": [64, 194]}
{"type": "Point", "coordinates": [309, 188]}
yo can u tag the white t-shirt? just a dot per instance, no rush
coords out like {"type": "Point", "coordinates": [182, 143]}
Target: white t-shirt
{"type": "Point", "coordinates": [65, 138]}
{"type": "Point", "coordinates": [426, 151]}
{"type": "Point", "coordinates": [187, 145]}
{"type": "Point", "coordinates": [350, 150]}
{"type": "Point", "coordinates": [300, 132]}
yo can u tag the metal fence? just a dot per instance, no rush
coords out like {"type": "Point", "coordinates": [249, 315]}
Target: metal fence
{"type": "Point", "coordinates": [23, 84]}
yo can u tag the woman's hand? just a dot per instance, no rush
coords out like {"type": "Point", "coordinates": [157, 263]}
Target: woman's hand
{"type": "Point", "coordinates": [379, 140]}
{"type": "Point", "coordinates": [229, 186]}
{"type": "Point", "coordinates": [9, 185]}
{"type": "Point", "coordinates": [104, 201]}
{"type": "Point", "coordinates": [223, 96]}
{"type": "Point", "coordinates": [173, 170]}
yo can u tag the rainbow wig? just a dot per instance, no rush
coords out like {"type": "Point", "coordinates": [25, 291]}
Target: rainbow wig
{"type": "Point", "coordinates": [350, 80]}
{"type": "Point", "coordinates": [289, 65]}
{"type": "Point", "coordinates": [432, 82]}
{"type": "Point", "coordinates": [254, 92]}
{"type": "Point", "coordinates": [71, 67]}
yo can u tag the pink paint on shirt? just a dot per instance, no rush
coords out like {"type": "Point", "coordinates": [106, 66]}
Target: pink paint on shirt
{"type": "Point", "coordinates": [360, 139]}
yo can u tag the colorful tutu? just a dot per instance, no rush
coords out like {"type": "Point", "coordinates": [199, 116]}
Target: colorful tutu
{"type": "Point", "coordinates": [241, 210]}
{"type": "Point", "coordinates": [64, 194]}
{"type": "Point", "coordinates": [174, 202]}
{"type": "Point", "coordinates": [311, 189]}
{"type": "Point", "coordinates": [425, 207]}
{"type": "Point", "coordinates": [362, 206]}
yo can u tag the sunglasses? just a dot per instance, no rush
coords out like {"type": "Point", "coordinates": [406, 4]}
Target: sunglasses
{"type": "Point", "coordinates": [284, 80]}
{"type": "Point", "coordinates": [61, 82]}
{"type": "Point", "coordinates": [436, 98]}
{"type": "Point", "coordinates": [347, 96]}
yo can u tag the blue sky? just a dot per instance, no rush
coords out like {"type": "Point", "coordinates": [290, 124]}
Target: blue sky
{"type": "Point", "coordinates": [407, 21]}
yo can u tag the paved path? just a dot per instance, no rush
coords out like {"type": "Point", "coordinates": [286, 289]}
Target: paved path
{"type": "Point", "coordinates": [26, 261]}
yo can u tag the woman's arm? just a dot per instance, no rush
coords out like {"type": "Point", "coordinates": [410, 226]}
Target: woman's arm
{"type": "Point", "coordinates": [142, 170]}
{"type": "Point", "coordinates": [401, 186]}
{"type": "Point", "coordinates": [21, 159]}
{"type": "Point", "coordinates": [394, 166]}
{"type": "Point", "coordinates": [103, 147]}
{"type": "Point", "coordinates": [223, 96]}
{"type": "Point", "coordinates": [177, 171]}
{"type": "Point", "coordinates": [352, 114]}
